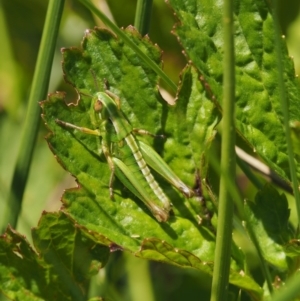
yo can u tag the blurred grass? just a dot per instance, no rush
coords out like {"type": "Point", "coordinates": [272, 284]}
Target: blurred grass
{"type": "Point", "coordinates": [21, 24]}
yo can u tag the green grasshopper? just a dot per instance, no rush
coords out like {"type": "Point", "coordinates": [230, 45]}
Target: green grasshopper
{"type": "Point", "coordinates": [128, 157]}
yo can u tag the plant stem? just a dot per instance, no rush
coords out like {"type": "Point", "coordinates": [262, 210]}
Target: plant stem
{"type": "Point", "coordinates": [37, 93]}
{"type": "Point", "coordinates": [140, 286]}
{"type": "Point", "coordinates": [139, 279]}
{"type": "Point", "coordinates": [143, 16]}
{"type": "Point", "coordinates": [225, 210]}
{"type": "Point", "coordinates": [285, 108]}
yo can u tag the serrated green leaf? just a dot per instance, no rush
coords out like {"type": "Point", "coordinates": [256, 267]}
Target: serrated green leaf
{"type": "Point", "coordinates": [268, 217]}
{"type": "Point", "coordinates": [105, 59]}
{"type": "Point", "coordinates": [18, 264]}
{"type": "Point", "coordinates": [67, 258]}
{"type": "Point", "coordinates": [191, 124]}
{"type": "Point", "coordinates": [190, 129]}
{"type": "Point", "coordinates": [68, 249]}
{"type": "Point", "coordinates": [125, 222]}
{"type": "Point", "coordinates": [258, 112]}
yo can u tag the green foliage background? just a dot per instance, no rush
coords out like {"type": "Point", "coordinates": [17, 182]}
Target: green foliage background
{"type": "Point", "coordinates": [21, 24]}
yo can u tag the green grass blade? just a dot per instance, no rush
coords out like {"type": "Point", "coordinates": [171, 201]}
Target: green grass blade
{"type": "Point", "coordinates": [225, 212]}
{"type": "Point", "coordinates": [285, 109]}
{"type": "Point", "coordinates": [138, 273]}
{"type": "Point", "coordinates": [143, 16]}
{"type": "Point", "coordinates": [38, 92]}
{"type": "Point", "coordinates": [142, 24]}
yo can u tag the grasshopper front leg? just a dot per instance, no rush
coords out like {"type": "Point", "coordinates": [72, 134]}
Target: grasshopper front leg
{"type": "Point", "coordinates": [79, 128]}
{"type": "Point", "coordinates": [104, 147]}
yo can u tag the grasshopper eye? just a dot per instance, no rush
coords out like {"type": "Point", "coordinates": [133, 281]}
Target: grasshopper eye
{"type": "Point", "coordinates": [98, 105]}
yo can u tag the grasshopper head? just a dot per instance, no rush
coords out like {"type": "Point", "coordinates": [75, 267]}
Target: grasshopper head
{"type": "Point", "coordinates": [98, 105]}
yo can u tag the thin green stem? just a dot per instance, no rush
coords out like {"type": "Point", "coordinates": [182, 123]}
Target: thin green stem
{"type": "Point", "coordinates": [285, 108]}
{"type": "Point", "coordinates": [139, 279]}
{"type": "Point", "coordinates": [231, 186]}
{"type": "Point", "coordinates": [233, 191]}
{"type": "Point", "coordinates": [37, 93]}
{"type": "Point", "coordinates": [142, 24]}
{"type": "Point", "coordinates": [143, 16]}
{"type": "Point", "coordinates": [130, 43]}
{"type": "Point", "coordinates": [225, 210]}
